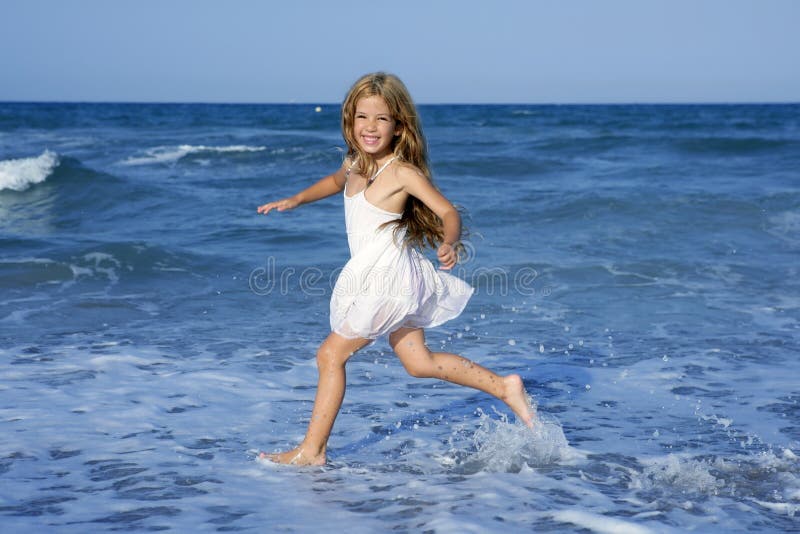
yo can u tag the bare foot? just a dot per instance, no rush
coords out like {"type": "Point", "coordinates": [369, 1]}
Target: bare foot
{"type": "Point", "coordinates": [517, 399]}
{"type": "Point", "coordinates": [295, 456]}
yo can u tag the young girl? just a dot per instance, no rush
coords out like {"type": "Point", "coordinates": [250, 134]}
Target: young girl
{"type": "Point", "coordinates": [388, 287]}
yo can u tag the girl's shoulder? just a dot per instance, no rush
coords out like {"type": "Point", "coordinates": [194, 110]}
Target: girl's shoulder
{"type": "Point", "coordinates": [406, 168]}
{"type": "Point", "coordinates": [405, 171]}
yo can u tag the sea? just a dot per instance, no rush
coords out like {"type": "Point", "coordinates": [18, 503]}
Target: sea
{"type": "Point", "coordinates": [637, 265]}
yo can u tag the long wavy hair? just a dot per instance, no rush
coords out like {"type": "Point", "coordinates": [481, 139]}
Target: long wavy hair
{"type": "Point", "coordinates": [423, 227]}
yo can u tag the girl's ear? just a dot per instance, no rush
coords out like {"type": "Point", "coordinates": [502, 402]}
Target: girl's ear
{"type": "Point", "coordinates": [398, 129]}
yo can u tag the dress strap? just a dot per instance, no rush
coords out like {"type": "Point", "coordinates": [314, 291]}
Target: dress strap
{"type": "Point", "coordinates": [383, 167]}
{"type": "Point", "coordinates": [350, 168]}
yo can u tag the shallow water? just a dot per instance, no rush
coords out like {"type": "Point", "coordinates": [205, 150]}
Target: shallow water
{"type": "Point", "coordinates": [637, 265]}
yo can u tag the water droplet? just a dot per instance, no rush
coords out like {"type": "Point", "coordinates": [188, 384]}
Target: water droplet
{"type": "Point", "coordinates": [512, 342]}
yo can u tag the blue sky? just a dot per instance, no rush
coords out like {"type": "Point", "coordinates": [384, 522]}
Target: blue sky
{"type": "Point", "coordinates": [559, 51]}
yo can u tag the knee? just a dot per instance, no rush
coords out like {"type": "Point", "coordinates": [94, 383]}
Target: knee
{"type": "Point", "coordinates": [418, 369]}
{"type": "Point", "coordinates": [328, 359]}
{"type": "Point", "coordinates": [418, 372]}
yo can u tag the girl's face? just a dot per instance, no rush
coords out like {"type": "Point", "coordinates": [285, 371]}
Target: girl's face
{"type": "Point", "coordinates": [374, 126]}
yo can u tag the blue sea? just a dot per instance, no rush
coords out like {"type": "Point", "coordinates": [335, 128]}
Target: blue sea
{"type": "Point", "coordinates": [637, 265]}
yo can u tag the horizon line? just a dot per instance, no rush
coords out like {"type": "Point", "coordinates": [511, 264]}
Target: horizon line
{"type": "Point", "coordinates": [338, 104]}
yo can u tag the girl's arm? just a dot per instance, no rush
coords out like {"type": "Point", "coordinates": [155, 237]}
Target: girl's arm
{"type": "Point", "coordinates": [417, 185]}
{"type": "Point", "coordinates": [330, 185]}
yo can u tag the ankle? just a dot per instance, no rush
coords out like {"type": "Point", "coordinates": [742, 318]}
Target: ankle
{"type": "Point", "coordinates": [311, 451]}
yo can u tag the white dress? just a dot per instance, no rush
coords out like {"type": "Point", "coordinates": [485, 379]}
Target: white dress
{"type": "Point", "coordinates": [387, 284]}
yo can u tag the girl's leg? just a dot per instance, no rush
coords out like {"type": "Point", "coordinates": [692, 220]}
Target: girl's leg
{"type": "Point", "coordinates": [419, 361]}
{"type": "Point", "coordinates": [331, 358]}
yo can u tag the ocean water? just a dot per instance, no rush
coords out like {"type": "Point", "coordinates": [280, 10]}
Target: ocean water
{"type": "Point", "coordinates": [637, 265]}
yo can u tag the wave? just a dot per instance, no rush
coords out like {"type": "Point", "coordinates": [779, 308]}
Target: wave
{"type": "Point", "coordinates": [732, 145]}
{"type": "Point", "coordinates": [131, 263]}
{"type": "Point", "coordinates": [171, 154]}
{"type": "Point", "coordinates": [785, 226]}
{"type": "Point", "coordinates": [20, 174]}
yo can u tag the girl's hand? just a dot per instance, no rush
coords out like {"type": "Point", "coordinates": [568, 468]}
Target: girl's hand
{"type": "Point", "coordinates": [447, 256]}
{"type": "Point", "coordinates": [280, 205]}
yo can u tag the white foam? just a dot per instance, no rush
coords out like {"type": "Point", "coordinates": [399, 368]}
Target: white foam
{"type": "Point", "coordinates": [507, 447]}
{"type": "Point", "coordinates": [599, 523]}
{"type": "Point", "coordinates": [786, 222]}
{"type": "Point", "coordinates": [171, 154]}
{"type": "Point", "coordinates": [111, 360]}
{"type": "Point", "coordinates": [779, 507]}
{"type": "Point", "coordinates": [26, 259]}
{"type": "Point", "coordinates": [20, 174]}
{"type": "Point", "coordinates": [683, 474]}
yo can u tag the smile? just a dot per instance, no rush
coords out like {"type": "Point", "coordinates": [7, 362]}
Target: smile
{"type": "Point", "coordinates": [370, 139]}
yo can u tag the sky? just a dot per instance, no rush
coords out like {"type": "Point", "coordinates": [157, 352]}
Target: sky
{"type": "Point", "coordinates": [515, 51]}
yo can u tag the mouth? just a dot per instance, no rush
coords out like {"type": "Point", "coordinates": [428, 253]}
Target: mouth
{"type": "Point", "coordinates": [370, 140]}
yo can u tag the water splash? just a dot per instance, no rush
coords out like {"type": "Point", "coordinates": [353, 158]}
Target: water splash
{"type": "Point", "coordinates": [502, 446]}
{"type": "Point", "coordinates": [767, 479]}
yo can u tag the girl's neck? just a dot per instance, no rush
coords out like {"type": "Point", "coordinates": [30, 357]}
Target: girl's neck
{"type": "Point", "coordinates": [379, 161]}
{"type": "Point", "coordinates": [383, 158]}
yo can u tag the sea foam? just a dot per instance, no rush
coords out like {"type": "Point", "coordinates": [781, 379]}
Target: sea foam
{"type": "Point", "coordinates": [20, 174]}
{"type": "Point", "coordinates": [171, 154]}
{"type": "Point", "coordinates": [599, 523]}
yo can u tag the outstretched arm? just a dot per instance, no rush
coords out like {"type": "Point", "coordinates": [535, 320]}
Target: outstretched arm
{"type": "Point", "coordinates": [330, 185]}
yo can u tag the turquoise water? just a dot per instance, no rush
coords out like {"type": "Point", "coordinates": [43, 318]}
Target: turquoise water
{"type": "Point", "coordinates": [637, 265]}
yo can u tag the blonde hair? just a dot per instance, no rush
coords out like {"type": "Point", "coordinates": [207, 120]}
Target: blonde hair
{"type": "Point", "coordinates": [422, 225]}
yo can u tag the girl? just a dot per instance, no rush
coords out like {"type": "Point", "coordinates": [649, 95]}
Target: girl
{"type": "Point", "coordinates": [388, 287]}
